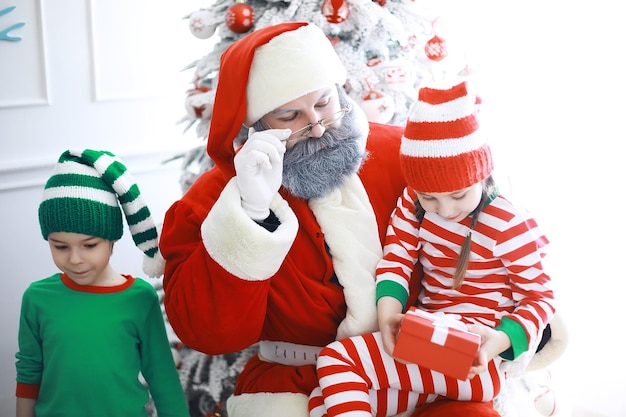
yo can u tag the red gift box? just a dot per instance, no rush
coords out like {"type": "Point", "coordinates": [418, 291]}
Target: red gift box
{"type": "Point", "coordinates": [437, 341]}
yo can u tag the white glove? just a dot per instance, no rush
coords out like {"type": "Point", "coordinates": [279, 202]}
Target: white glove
{"type": "Point", "coordinates": [259, 168]}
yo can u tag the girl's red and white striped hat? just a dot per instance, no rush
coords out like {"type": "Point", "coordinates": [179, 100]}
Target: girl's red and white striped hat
{"type": "Point", "coordinates": [442, 148]}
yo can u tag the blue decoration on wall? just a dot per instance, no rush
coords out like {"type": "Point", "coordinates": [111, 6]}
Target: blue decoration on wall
{"type": "Point", "coordinates": [4, 34]}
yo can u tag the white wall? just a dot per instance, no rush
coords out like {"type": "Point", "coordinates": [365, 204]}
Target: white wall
{"type": "Point", "coordinates": [552, 83]}
{"type": "Point", "coordinates": [552, 74]}
{"type": "Point", "coordinates": [104, 74]}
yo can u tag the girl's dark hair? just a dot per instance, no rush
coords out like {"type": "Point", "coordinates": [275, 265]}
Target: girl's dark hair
{"type": "Point", "coordinates": [490, 190]}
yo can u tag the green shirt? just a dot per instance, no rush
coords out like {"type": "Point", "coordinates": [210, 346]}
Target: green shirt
{"type": "Point", "coordinates": [83, 348]}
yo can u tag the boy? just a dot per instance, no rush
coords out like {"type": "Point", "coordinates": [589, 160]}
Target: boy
{"type": "Point", "coordinates": [87, 332]}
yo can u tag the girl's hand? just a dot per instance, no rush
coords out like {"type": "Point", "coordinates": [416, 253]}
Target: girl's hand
{"type": "Point", "coordinates": [492, 343]}
{"type": "Point", "coordinates": [389, 329]}
{"type": "Point", "coordinates": [389, 319]}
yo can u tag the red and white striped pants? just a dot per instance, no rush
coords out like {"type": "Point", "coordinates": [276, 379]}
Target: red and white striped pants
{"type": "Point", "coordinates": [358, 379]}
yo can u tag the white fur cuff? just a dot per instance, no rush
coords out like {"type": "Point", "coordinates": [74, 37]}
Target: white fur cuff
{"type": "Point", "coordinates": [239, 244]}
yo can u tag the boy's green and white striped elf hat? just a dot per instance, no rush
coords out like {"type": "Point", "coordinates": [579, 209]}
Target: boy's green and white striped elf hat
{"type": "Point", "coordinates": [84, 195]}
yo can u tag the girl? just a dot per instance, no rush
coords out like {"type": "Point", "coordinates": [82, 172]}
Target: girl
{"type": "Point", "coordinates": [482, 260]}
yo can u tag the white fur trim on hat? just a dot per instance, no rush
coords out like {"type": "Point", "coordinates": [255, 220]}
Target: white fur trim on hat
{"type": "Point", "coordinates": [289, 66]}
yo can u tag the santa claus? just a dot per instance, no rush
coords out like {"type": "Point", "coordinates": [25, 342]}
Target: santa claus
{"type": "Point", "coordinates": [279, 242]}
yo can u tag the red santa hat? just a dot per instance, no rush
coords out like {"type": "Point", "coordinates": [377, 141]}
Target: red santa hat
{"type": "Point", "coordinates": [264, 70]}
{"type": "Point", "coordinates": [442, 149]}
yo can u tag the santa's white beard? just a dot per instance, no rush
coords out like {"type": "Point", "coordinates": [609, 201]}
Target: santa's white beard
{"type": "Point", "coordinates": [314, 167]}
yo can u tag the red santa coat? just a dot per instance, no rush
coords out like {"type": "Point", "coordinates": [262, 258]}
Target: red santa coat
{"type": "Point", "coordinates": [230, 283]}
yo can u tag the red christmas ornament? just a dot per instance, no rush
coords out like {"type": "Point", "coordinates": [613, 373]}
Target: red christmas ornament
{"type": "Point", "coordinates": [436, 49]}
{"type": "Point", "coordinates": [199, 102]}
{"type": "Point", "coordinates": [372, 62]}
{"type": "Point", "coordinates": [411, 42]}
{"type": "Point", "coordinates": [217, 411]}
{"type": "Point", "coordinates": [335, 11]}
{"type": "Point", "coordinates": [334, 40]}
{"type": "Point", "coordinates": [377, 107]}
{"type": "Point", "coordinates": [240, 17]}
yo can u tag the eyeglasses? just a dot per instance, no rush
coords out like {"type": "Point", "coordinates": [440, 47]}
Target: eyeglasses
{"type": "Point", "coordinates": [324, 121]}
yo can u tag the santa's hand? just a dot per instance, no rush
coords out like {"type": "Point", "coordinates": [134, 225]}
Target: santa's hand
{"type": "Point", "coordinates": [259, 169]}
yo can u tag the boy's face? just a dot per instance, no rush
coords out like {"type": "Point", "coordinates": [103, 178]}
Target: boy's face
{"type": "Point", "coordinates": [84, 259]}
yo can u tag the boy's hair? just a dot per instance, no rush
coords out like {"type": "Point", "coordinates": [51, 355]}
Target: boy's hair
{"type": "Point", "coordinates": [84, 195]}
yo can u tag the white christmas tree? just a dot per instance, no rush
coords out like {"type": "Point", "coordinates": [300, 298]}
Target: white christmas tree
{"type": "Point", "coordinates": [387, 46]}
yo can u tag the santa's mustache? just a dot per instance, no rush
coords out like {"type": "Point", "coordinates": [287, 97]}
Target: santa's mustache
{"type": "Point", "coordinates": [314, 167]}
{"type": "Point", "coordinates": [308, 147]}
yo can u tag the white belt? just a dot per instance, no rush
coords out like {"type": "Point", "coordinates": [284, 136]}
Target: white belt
{"type": "Point", "coordinates": [287, 353]}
